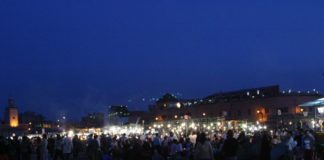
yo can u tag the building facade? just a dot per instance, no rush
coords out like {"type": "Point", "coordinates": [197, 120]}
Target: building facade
{"type": "Point", "coordinates": [93, 120]}
{"type": "Point", "coordinates": [117, 115]}
{"type": "Point", "coordinates": [265, 104]}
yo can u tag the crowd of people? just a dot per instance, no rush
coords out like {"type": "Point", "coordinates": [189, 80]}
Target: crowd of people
{"type": "Point", "coordinates": [220, 145]}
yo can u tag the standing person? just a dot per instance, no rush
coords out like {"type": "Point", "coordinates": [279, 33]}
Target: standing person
{"type": "Point", "coordinates": [299, 148]}
{"type": "Point", "coordinates": [291, 144]}
{"type": "Point", "coordinates": [43, 148]}
{"type": "Point", "coordinates": [123, 138]}
{"type": "Point", "coordinates": [89, 140]}
{"type": "Point", "coordinates": [188, 147]}
{"type": "Point", "coordinates": [174, 148]}
{"type": "Point", "coordinates": [156, 155]}
{"type": "Point", "coordinates": [26, 148]}
{"type": "Point", "coordinates": [67, 147]}
{"type": "Point", "coordinates": [275, 140]}
{"type": "Point", "coordinates": [58, 146]}
{"type": "Point", "coordinates": [165, 147]}
{"type": "Point", "coordinates": [76, 146]}
{"type": "Point", "coordinates": [308, 146]}
{"type": "Point", "coordinates": [203, 150]}
{"type": "Point", "coordinates": [230, 146]}
{"type": "Point", "coordinates": [104, 147]}
{"type": "Point", "coordinates": [244, 146]}
{"type": "Point", "coordinates": [11, 148]}
{"type": "Point", "coordinates": [38, 148]}
{"type": "Point", "coordinates": [3, 149]}
{"type": "Point", "coordinates": [171, 137]}
{"type": "Point", "coordinates": [180, 148]}
{"type": "Point", "coordinates": [51, 146]}
{"type": "Point", "coordinates": [16, 146]}
{"type": "Point", "coordinates": [93, 148]}
{"type": "Point", "coordinates": [265, 151]}
{"type": "Point", "coordinates": [157, 142]}
{"type": "Point", "coordinates": [147, 149]}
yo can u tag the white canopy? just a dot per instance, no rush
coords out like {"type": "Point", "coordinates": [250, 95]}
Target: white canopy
{"type": "Point", "coordinates": [315, 103]}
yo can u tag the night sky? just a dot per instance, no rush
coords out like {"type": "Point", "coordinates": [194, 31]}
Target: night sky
{"type": "Point", "coordinates": [78, 56]}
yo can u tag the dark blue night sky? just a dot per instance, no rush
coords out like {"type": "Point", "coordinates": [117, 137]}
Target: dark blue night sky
{"type": "Point", "coordinates": [80, 56]}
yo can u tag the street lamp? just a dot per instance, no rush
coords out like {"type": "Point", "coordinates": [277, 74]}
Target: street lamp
{"type": "Point", "coordinates": [261, 114]}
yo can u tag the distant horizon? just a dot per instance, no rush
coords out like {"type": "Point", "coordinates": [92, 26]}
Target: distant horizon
{"type": "Point", "coordinates": [187, 98]}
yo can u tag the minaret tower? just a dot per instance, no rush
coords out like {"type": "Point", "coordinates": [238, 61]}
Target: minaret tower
{"type": "Point", "coordinates": [12, 113]}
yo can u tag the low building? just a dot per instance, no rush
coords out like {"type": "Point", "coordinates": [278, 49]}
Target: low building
{"type": "Point", "coordinates": [138, 117]}
{"type": "Point", "coordinates": [265, 104]}
{"type": "Point", "coordinates": [117, 115]}
{"type": "Point", "coordinates": [93, 120]}
{"type": "Point", "coordinates": [31, 118]}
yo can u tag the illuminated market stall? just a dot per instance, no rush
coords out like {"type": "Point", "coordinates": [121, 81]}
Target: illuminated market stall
{"type": "Point", "coordinates": [313, 112]}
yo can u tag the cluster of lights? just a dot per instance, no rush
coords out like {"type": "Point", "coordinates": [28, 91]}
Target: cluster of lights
{"type": "Point", "coordinates": [117, 130]}
{"type": "Point", "coordinates": [316, 123]}
{"type": "Point", "coordinates": [186, 126]}
{"type": "Point", "coordinates": [258, 93]}
{"type": "Point", "coordinates": [69, 133]}
{"type": "Point", "coordinates": [299, 92]}
{"type": "Point", "coordinates": [254, 128]}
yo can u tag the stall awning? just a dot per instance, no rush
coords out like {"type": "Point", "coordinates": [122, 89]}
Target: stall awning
{"type": "Point", "coordinates": [315, 103]}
